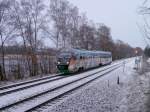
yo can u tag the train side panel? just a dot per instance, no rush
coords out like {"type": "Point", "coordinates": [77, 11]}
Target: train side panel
{"type": "Point", "coordinates": [76, 60]}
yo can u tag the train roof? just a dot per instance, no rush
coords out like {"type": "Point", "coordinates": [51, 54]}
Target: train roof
{"type": "Point", "coordinates": [86, 52]}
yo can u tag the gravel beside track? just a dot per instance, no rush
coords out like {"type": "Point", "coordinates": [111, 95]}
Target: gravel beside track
{"type": "Point", "coordinates": [9, 106]}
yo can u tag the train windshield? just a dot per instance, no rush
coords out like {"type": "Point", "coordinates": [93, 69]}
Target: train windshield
{"type": "Point", "coordinates": [64, 57]}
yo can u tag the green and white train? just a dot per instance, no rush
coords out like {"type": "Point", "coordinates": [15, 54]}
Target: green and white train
{"type": "Point", "coordinates": [73, 60]}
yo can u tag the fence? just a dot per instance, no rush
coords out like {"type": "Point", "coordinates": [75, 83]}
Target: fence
{"type": "Point", "coordinates": [18, 66]}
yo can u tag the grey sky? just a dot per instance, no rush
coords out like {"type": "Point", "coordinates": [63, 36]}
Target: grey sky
{"type": "Point", "coordinates": [120, 15]}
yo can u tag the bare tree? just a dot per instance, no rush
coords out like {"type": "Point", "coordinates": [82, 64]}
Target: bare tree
{"type": "Point", "coordinates": [29, 19]}
{"type": "Point", "coordinates": [145, 28]}
{"type": "Point", "coordinates": [86, 35]}
{"type": "Point", "coordinates": [6, 31]}
{"type": "Point", "coordinates": [106, 41]}
{"type": "Point", "coordinates": [74, 26]}
{"type": "Point", "coordinates": [59, 13]}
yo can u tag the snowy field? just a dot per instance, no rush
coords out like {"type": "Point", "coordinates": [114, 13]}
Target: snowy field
{"type": "Point", "coordinates": [105, 95]}
{"type": "Point", "coordinates": [9, 99]}
{"type": "Point", "coordinates": [148, 60]}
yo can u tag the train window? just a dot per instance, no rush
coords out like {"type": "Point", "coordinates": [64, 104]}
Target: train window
{"type": "Point", "coordinates": [83, 57]}
{"type": "Point", "coordinates": [74, 57]}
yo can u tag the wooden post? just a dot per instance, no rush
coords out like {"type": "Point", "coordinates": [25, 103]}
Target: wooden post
{"type": "Point", "coordinates": [124, 66]}
{"type": "Point", "coordinates": [1, 73]}
{"type": "Point", "coordinates": [118, 82]}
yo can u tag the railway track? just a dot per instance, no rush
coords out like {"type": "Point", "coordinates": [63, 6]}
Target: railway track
{"type": "Point", "coordinates": [21, 86]}
{"type": "Point", "coordinates": [29, 104]}
{"type": "Point", "coordinates": [67, 91]}
{"type": "Point", "coordinates": [28, 84]}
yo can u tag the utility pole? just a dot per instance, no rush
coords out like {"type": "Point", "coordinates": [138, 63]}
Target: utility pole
{"type": "Point", "coordinates": [124, 65]}
{"type": "Point", "coordinates": [137, 60]}
{"type": "Point", "coordinates": [1, 73]}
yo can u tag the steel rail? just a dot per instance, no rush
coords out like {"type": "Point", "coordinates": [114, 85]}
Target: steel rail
{"type": "Point", "coordinates": [53, 89]}
{"type": "Point", "coordinates": [31, 85]}
{"type": "Point", "coordinates": [8, 90]}
{"type": "Point", "coordinates": [71, 90]}
{"type": "Point", "coordinates": [27, 82]}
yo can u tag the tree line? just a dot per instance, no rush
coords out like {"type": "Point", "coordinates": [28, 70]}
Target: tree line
{"type": "Point", "coordinates": [147, 51]}
{"type": "Point", "coordinates": [26, 24]}
{"type": "Point", "coordinates": [144, 10]}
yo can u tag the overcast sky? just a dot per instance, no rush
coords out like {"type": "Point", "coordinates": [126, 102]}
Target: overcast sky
{"type": "Point", "coordinates": [120, 15]}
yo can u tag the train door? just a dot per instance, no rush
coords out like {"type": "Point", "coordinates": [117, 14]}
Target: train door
{"type": "Point", "coordinates": [72, 64]}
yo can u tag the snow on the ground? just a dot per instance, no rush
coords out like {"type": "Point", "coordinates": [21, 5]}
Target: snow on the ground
{"type": "Point", "coordinates": [25, 106]}
{"type": "Point", "coordinates": [12, 82]}
{"type": "Point", "coordinates": [20, 95]}
{"type": "Point", "coordinates": [148, 60]}
{"type": "Point", "coordinates": [105, 95]}
{"type": "Point", "coordinates": [29, 84]}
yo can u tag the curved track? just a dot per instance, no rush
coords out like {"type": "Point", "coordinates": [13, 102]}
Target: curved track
{"type": "Point", "coordinates": [67, 91]}
{"type": "Point", "coordinates": [86, 79]}
{"type": "Point", "coordinates": [28, 84]}
{"type": "Point", "coordinates": [21, 86]}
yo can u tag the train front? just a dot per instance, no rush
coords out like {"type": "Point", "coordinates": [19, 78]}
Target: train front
{"type": "Point", "coordinates": [64, 62]}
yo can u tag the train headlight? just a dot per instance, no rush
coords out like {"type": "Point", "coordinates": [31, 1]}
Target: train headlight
{"type": "Point", "coordinates": [67, 62]}
{"type": "Point", "coordinates": [58, 62]}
